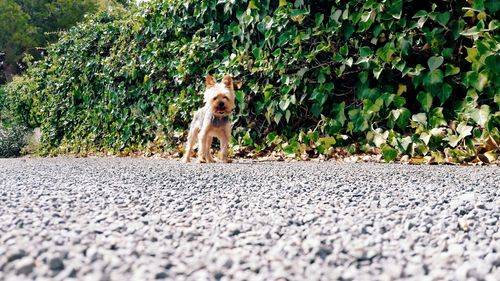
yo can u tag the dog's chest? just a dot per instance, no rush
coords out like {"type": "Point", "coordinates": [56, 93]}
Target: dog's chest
{"type": "Point", "coordinates": [218, 122]}
{"type": "Point", "coordinates": [205, 118]}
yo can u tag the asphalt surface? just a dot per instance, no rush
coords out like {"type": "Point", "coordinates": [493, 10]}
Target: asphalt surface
{"type": "Point", "coordinates": [145, 219]}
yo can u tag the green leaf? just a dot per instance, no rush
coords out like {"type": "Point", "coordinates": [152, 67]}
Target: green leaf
{"type": "Point", "coordinates": [493, 63]}
{"type": "Point", "coordinates": [492, 5]}
{"type": "Point", "coordinates": [338, 112]}
{"type": "Point", "coordinates": [251, 5]}
{"type": "Point", "coordinates": [379, 138]}
{"type": "Point", "coordinates": [436, 117]}
{"type": "Point", "coordinates": [389, 153]}
{"type": "Point", "coordinates": [421, 13]}
{"type": "Point", "coordinates": [377, 71]}
{"type": "Point", "coordinates": [321, 77]}
{"type": "Point", "coordinates": [272, 137]}
{"type": "Point", "coordinates": [347, 30]}
{"type": "Point", "coordinates": [451, 70]}
{"type": "Point", "coordinates": [297, 12]}
{"type": "Point", "coordinates": [404, 117]}
{"type": "Point", "coordinates": [399, 101]}
{"type": "Point", "coordinates": [420, 118]}
{"type": "Point", "coordinates": [478, 5]}
{"type": "Point", "coordinates": [472, 55]}
{"type": "Point", "coordinates": [406, 142]}
{"type": "Point", "coordinates": [359, 121]}
{"type": "Point", "coordinates": [481, 81]}
{"type": "Point", "coordinates": [395, 9]}
{"type": "Point", "coordinates": [277, 117]}
{"type": "Point", "coordinates": [284, 103]}
{"type": "Point", "coordinates": [256, 53]}
{"type": "Point", "coordinates": [289, 151]}
{"type": "Point", "coordinates": [432, 78]}
{"type": "Point", "coordinates": [318, 19]}
{"type": "Point", "coordinates": [464, 130]}
{"type": "Point", "coordinates": [287, 115]}
{"type": "Point", "coordinates": [363, 77]}
{"type": "Point", "coordinates": [344, 50]}
{"type": "Point", "coordinates": [421, 21]}
{"type": "Point", "coordinates": [447, 53]}
{"type": "Point", "coordinates": [327, 142]}
{"type": "Point", "coordinates": [425, 99]}
{"type": "Point", "coordinates": [316, 109]}
{"type": "Point", "coordinates": [247, 139]}
{"type": "Point", "coordinates": [388, 98]}
{"type": "Point", "coordinates": [365, 51]}
{"type": "Point", "coordinates": [434, 62]}
{"type": "Point", "coordinates": [283, 39]}
{"type": "Point", "coordinates": [477, 80]}
{"type": "Point", "coordinates": [373, 107]}
{"type": "Point", "coordinates": [443, 18]}
{"type": "Point", "coordinates": [235, 29]}
{"type": "Point", "coordinates": [481, 115]}
{"type": "Point", "coordinates": [386, 53]}
{"type": "Point", "coordinates": [452, 140]}
{"type": "Point", "coordinates": [337, 15]}
{"type": "Point", "coordinates": [445, 93]}
{"type": "Point", "coordinates": [425, 137]}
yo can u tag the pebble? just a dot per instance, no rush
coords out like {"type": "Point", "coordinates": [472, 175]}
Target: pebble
{"type": "Point", "coordinates": [56, 264]}
{"type": "Point", "coordinates": [25, 266]}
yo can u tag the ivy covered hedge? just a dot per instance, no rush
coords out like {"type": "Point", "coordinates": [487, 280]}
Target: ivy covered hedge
{"type": "Point", "coordinates": [414, 78]}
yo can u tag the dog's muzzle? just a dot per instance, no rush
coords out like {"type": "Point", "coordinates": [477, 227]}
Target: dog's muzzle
{"type": "Point", "coordinates": [221, 107]}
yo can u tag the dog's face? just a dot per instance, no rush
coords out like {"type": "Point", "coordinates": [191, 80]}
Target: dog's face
{"type": "Point", "coordinates": [220, 96]}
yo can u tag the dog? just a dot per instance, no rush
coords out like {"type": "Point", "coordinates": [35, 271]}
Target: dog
{"type": "Point", "coordinates": [212, 120]}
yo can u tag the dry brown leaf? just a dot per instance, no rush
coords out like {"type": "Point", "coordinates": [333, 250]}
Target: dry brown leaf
{"type": "Point", "coordinates": [488, 156]}
{"type": "Point", "coordinates": [437, 158]}
{"type": "Point", "coordinates": [418, 160]}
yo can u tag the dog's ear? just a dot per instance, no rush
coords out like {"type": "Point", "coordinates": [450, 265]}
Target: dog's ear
{"type": "Point", "coordinates": [210, 81]}
{"type": "Point", "coordinates": [228, 82]}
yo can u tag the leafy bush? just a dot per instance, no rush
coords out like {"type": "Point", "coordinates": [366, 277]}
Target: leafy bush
{"type": "Point", "coordinates": [27, 26]}
{"type": "Point", "coordinates": [12, 140]}
{"type": "Point", "coordinates": [414, 78]}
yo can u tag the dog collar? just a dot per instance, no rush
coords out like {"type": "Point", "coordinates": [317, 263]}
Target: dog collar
{"type": "Point", "coordinates": [219, 121]}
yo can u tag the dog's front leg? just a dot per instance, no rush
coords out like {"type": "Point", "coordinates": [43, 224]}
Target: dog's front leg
{"type": "Point", "coordinates": [202, 145]}
{"type": "Point", "coordinates": [224, 145]}
{"type": "Point", "coordinates": [208, 156]}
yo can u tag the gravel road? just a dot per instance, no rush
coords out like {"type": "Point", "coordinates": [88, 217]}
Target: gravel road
{"type": "Point", "coordinates": [144, 219]}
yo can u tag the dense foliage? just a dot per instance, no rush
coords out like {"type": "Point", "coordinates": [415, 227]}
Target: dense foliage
{"type": "Point", "coordinates": [414, 78]}
{"type": "Point", "coordinates": [12, 140]}
{"type": "Point", "coordinates": [26, 26]}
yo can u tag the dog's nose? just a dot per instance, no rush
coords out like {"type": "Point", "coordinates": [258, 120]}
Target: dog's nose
{"type": "Point", "coordinates": [221, 104]}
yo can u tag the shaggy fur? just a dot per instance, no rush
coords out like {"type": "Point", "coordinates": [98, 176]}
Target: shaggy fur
{"type": "Point", "coordinates": [212, 120]}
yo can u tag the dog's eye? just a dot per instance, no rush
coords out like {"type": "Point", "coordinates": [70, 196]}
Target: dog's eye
{"type": "Point", "coordinates": [215, 98]}
{"type": "Point", "coordinates": [225, 98]}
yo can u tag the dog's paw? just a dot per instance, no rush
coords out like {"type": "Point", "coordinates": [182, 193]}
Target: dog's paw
{"type": "Point", "coordinates": [200, 160]}
{"type": "Point", "coordinates": [185, 159]}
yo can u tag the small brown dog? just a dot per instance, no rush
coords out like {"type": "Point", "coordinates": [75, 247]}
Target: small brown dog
{"type": "Point", "coordinates": [212, 120]}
